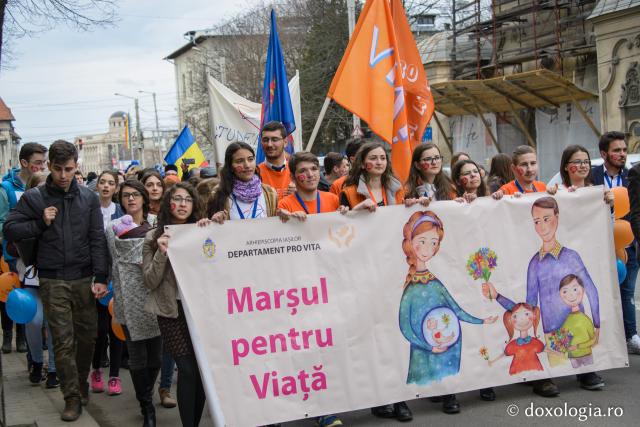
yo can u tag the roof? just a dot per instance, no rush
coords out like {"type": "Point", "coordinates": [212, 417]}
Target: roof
{"type": "Point", "coordinates": [438, 48]}
{"type": "Point", "coordinates": [196, 37]}
{"type": "Point", "coordinates": [605, 7]}
{"type": "Point", "coordinates": [532, 89]}
{"type": "Point", "coordinates": [118, 114]}
{"type": "Point", "coordinates": [5, 112]}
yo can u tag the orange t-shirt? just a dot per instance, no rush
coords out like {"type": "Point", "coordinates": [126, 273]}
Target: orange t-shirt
{"type": "Point", "coordinates": [278, 180]}
{"type": "Point", "coordinates": [336, 187]}
{"type": "Point", "coordinates": [511, 188]}
{"type": "Point", "coordinates": [329, 202]}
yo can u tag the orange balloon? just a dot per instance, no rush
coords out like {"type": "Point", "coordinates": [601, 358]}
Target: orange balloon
{"type": "Point", "coordinates": [621, 205]}
{"type": "Point", "coordinates": [622, 234]}
{"type": "Point", "coordinates": [117, 330]}
{"type": "Point", "coordinates": [8, 282]}
{"type": "Point", "coordinates": [621, 254]}
{"type": "Point", "coordinates": [4, 267]}
{"type": "Point", "coordinates": [111, 307]}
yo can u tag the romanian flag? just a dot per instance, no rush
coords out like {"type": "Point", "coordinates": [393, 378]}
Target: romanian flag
{"type": "Point", "coordinates": [377, 79]}
{"type": "Point", "coordinates": [184, 148]}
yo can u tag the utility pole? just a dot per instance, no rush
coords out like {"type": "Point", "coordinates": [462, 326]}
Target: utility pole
{"type": "Point", "coordinates": [139, 133]}
{"type": "Point", "coordinates": [351, 14]}
{"type": "Point", "coordinates": [156, 137]}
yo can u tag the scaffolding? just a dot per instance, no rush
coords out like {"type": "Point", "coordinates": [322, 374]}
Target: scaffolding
{"type": "Point", "coordinates": [522, 34]}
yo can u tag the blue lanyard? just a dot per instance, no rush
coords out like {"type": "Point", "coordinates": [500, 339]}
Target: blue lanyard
{"type": "Point", "coordinates": [304, 206]}
{"type": "Point", "coordinates": [610, 182]}
{"type": "Point", "coordinates": [253, 213]}
{"type": "Point", "coordinates": [520, 189]}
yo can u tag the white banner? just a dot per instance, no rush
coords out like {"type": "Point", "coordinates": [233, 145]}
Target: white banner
{"type": "Point", "coordinates": [348, 312]}
{"type": "Point", "coordinates": [471, 136]}
{"type": "Point", "coordinates": [235, 118]}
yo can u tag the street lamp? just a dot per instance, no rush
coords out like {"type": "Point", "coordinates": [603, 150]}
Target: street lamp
{"type": "Point", "coordinates": [156, 139]}
{"type": "Point", "coordinates": [138, 132]}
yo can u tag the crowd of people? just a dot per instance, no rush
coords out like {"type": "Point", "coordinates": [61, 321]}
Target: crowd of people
{"type": "Point", "coordinates": [75, 241]}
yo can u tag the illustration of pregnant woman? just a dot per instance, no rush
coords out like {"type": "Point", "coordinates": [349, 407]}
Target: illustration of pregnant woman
{"type": "Point", "coordinates": [429, 316]}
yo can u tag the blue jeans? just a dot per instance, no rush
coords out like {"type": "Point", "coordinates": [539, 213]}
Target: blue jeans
{"type": "Point", "coordinates": [33, 333]}
{"type": "Point", "coordinates": [627, 291]}
{"type": "Point", "coordinates": [166, 371]}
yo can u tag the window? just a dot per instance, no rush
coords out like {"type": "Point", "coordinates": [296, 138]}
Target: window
{"type": "Point", "coordinates": [426, 20]}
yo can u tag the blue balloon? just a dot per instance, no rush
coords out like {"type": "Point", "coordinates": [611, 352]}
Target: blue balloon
{"type": "Point", "coordinates": [105, 299]}
{"type": "Point", "coordinates": [622, 271]}
{"type": "Point", "coordinates": [21, 306]}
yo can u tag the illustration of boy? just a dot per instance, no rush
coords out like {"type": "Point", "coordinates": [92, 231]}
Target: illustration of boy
{"type": "Point", "coordinates": [577, 323]}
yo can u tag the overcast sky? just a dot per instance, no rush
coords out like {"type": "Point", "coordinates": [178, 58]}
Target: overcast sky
{"type": "Point", "coordinates": [61, 84]}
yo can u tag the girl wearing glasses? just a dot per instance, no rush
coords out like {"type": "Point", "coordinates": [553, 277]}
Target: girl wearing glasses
{"type": "Point", "coordinates": [125, 239]}
{"type": "Point", "coordinates": [468, 181]}
{"type": "Point", "coordinates": [241, 194]}
{"type": "Point", "coordinates": [180, 205]}
{"type": "Point", "coordinates": [575, 171]}
{"type": "Point", "coordinates": [426, 177]}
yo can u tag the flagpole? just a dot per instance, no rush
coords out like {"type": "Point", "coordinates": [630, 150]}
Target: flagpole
{"type": "Point", "coordinates": [351, 15]}
{"type": "Point", "coordinates": [316, 128]}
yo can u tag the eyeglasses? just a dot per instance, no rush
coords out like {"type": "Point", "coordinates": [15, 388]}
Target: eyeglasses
{"type": "Point", "coordinates": [180, 200]}
{"type": "Point", "coordinates": [38, 162]}
{"type": "Point", "coordinates": [272, 139]}
{"type": "Point", "coordinates": [580, 162]}
{"type": "Point", "coordinates": [434, 159]}
{"type": "Point", "coordinates": [127, 196]}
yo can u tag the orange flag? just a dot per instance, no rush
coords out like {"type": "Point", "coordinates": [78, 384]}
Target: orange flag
{"type": "Point", "coordinates": [417, 93]}
{"type": "Point", "coordinates": [369, 82]}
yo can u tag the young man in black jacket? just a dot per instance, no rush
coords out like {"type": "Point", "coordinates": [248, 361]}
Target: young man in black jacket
{"type": "Point", "coordinates": [71, 259]}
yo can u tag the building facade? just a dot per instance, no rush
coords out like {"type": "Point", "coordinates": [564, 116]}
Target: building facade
{"type": "Point", "coordinates": [103, 151]}
{"type": "Point", "coordinates": [9, 140]}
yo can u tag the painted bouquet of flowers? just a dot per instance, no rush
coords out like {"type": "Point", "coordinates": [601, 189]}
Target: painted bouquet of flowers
{"type": "Point", "coordinates": [481, 264]}
{"type": "Point", "coordinates": [560, 340]}
{"type": "Point", "coordinates": [484, 352]}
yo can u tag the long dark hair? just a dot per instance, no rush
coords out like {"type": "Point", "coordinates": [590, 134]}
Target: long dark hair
{"type": "Point", "coordinates": [136, 185]}
{"type": "Point", "coordinates": [148, 173]}
{"type": "Point", "coordinates": [164, 215]}
{"type": "Point", "coordinates": [227, 177]}
{"type": "Point", "coordinates": [114, 175]}
{"type": "Point", "coordinates": [356, 171]}
{"type": "Point", "coordinates": [455, 176]}
{"type": "Point", "coordinates": [501, 168]}
{"type": "Point", "coordinates": [442, 182]}
{"type": "Point", "coordinates": [564, 161]}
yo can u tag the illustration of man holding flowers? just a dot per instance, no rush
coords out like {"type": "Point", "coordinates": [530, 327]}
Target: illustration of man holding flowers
{"type": "Point", "coordinates": [546, 269]}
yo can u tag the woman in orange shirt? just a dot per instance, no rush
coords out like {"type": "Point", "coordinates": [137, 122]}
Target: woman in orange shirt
{"type": "Point", "coordinates": [371, 182]}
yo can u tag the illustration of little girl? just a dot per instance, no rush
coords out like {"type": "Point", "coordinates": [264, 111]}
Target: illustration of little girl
{"type": "Point", "coordinates": [524, 349]}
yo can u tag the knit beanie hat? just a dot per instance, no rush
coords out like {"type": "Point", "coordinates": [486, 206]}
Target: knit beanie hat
{"type": "Point", "coordinates": [125, 225]}
{"type": "Point", "coordinates": [171, 179]}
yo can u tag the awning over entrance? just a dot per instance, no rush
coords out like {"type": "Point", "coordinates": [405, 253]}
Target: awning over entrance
{"type": "Point", "coordinates": [532, 89]}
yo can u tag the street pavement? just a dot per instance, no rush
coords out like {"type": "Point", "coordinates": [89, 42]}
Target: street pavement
{"type": "Point", "coordinates": [28, 405]}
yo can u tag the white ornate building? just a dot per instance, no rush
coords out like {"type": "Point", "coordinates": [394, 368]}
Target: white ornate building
{"type": "Point", "coordinates": [103, 151]}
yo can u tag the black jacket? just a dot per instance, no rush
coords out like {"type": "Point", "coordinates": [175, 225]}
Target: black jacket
{"type": "Point", "coordinates": [634, 199]}
{"type": "Point", "coordinates": [597, 174]}
{"type": "Point", "coordinates": [74, 245]}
